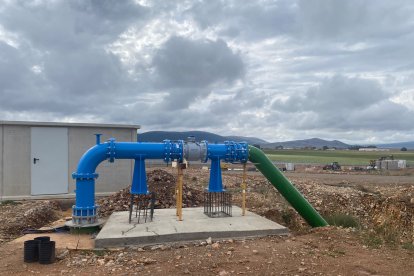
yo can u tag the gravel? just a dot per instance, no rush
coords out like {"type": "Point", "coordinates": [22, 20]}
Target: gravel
{"type": "Point", "coordinates": [18, 216]}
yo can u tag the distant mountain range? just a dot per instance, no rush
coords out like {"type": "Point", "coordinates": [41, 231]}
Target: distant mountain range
{"type": "Point", "coordinates": [159, 136]}
{"type": "Point", "coordinates": [307, 143]}
{"type": "Point", "coordinates": [408, 145]}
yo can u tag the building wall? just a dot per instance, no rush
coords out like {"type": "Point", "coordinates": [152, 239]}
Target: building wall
{"type": "Point", "coordinates": [16, 160]}
{"type": "Point", "coordinates": [15, 150]}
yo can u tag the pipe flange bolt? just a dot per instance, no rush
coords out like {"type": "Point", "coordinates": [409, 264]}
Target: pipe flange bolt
{"type": "Point", "coordinates": [236, 152]}
{"type": "Point", "coordinates": [111, 150]}
{"type": "Point", "coordinates": [84, 176]}
{"type": "Point", "coordinates": [167, 150]}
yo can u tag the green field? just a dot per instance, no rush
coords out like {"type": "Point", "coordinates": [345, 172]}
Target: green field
{"type": "Point", "coordinates": [344, 157]}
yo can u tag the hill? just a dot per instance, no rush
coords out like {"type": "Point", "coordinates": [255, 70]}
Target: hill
{"type": "Point", "coordinates": [408, 145]}
{"type": "Point", "coordinates": [307, 143]}
{"type": "Point", "coordinates": [250, 140]}
{"type": "Point", "coordinates": [159, 136]}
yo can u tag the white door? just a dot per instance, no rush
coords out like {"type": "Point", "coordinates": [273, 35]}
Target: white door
{"type": "Point", "coordinates": [49, 159]}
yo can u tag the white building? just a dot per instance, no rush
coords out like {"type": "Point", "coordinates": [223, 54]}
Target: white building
{"type": "Point", "coordinates": [373, 149]}
{"type": "Point", "coordinates": [37, 159]}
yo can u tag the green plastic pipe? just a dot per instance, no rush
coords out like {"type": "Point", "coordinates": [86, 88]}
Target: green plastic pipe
{"type": "Point", "coordinates": [283, 185]}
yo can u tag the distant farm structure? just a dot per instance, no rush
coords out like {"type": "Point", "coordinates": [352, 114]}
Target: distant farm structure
{"type": "Point", "coordinates": [373, 149]}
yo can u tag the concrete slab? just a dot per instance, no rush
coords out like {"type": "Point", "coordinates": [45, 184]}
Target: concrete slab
{"type": "Point", "coordinates": [165, 228]}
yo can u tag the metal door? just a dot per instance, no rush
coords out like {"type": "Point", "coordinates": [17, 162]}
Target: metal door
{"type": "Point", "coordinates": [49, 159]}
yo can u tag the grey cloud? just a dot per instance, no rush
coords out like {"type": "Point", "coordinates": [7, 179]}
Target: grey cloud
{"type": "Point", "coordinates": [70, 25]}
{"type": "Point", "coordinates": [242, 100]}
{"type": "Point", "coordinates": [20, 87]}
{"type": "Point", "coordinates": [384, 115]}
{"type": "Point", "coordinates": [387, 56]}
{"type": "Point", "coordinates": [13, 68]}
{"type": "Point", "coordinates": [341, 103]}
{"type": "Point", "coordinates": [285, 49]}
{"type": "Point", "coordinates": [111, 10]}
{"type": "Point", "coordinates": [353, 19]}
{"type": "Point", "coordinates": [190, 68]}
{"type": "Point", "coordinates": [221, 115]}
{"type": "Point", "coordinates": [336, 93]}
{"type": "Point", "coordinates": [67, 40]}
{"type": "Point", "coordinates": [196, 63]}
{"type": "Point", "coordinates": [251, 20]}
{"type": "Point", "coordinates": [85, 72]}
{"type": "Point", "coordinates": [155, 118]}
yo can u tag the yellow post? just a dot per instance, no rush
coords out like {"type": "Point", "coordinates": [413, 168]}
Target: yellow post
{"type": "Point", "coordinates": [176, 193]}
{"type": "Point", "coordinates": [177, 200]}
{"type": "Point", "coordinates": [180, 192]}
{"type": "Point", "coordinates": [244, 190]}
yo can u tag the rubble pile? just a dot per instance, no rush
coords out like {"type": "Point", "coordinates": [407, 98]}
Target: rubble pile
{"type": "Point", "coordinates": [333, 199]}
{"type": "Point", "coordinates": [379, 207]}
{"type": "Point", "coordinates": [160, 182]}
{"type": "Point", "coordinates": [374, 209]}
{"type": "Point", "coordinates": [393, 213]}
{"type": "Point", "coordinates": [16, 217]}
{"type": "Point", "coordinates": [114, 203]}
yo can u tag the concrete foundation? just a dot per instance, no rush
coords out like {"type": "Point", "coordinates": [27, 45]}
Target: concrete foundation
{"type": "Point", "coordinates": [165, 228]}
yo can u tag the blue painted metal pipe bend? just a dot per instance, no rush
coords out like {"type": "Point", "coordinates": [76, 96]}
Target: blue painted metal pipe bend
{"type": "Point", "coordinates": [85, 210]}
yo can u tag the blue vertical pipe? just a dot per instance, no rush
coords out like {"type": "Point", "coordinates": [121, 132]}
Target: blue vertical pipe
{"type": "Point", "coordinates": [139, 179]}
{"type": "Point", "coordinates": [98, 138]}
{"type": "Point", "coordinates": [215, 183]}
{"type": "Point", "coordinates": [85, 209]}
{"type": "Point", "coordinates": [215, 153]}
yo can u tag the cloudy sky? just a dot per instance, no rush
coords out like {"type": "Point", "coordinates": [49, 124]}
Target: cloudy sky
{"type": "Point", "coordinates": [277, 70]}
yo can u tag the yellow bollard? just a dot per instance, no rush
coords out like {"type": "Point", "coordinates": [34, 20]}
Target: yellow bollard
{"type": "Point", "coordinates": [244, 190]}
{"type": "Point", "coordinates": [180, 192]}
{"type": "Point", "coordinates": [177, 199]}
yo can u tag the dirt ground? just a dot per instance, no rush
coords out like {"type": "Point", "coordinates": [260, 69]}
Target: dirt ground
{"type": "Point", "coordinates": [329, 251]}
{"type": "Point", "coordinates": [380, 244]}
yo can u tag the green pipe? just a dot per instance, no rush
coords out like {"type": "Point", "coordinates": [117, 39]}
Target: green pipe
{"type": "Point", "coordinates": [283, 185]}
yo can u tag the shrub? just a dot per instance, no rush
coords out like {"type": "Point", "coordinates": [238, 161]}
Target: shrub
{"type": "Point", "coordinates": [9, 202]}
{"type": "Point", "coordinates": [343, 220]}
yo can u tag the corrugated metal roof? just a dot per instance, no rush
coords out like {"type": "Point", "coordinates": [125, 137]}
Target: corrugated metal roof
{"type": "Point", "coordinates": [63, 124]}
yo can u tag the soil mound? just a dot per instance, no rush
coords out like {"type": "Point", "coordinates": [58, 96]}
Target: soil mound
{"type": "Point", "coordinates": [161, 183]}
{"type": "Point", "coordinates": [18, 216]}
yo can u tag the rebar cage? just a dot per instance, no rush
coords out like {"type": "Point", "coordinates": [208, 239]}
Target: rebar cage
{"type": "Point", "coordinates": [143, 206]}
{"type": "Point", "coordinates": [217, 204]}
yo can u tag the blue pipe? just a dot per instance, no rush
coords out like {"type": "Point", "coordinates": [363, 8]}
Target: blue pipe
{"type": "Point", "coordinates": [215, 184]}
{"type": "Point", "coordinates": [139, 180]}
{"type": "Point", "coordinates": [84, 211]}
